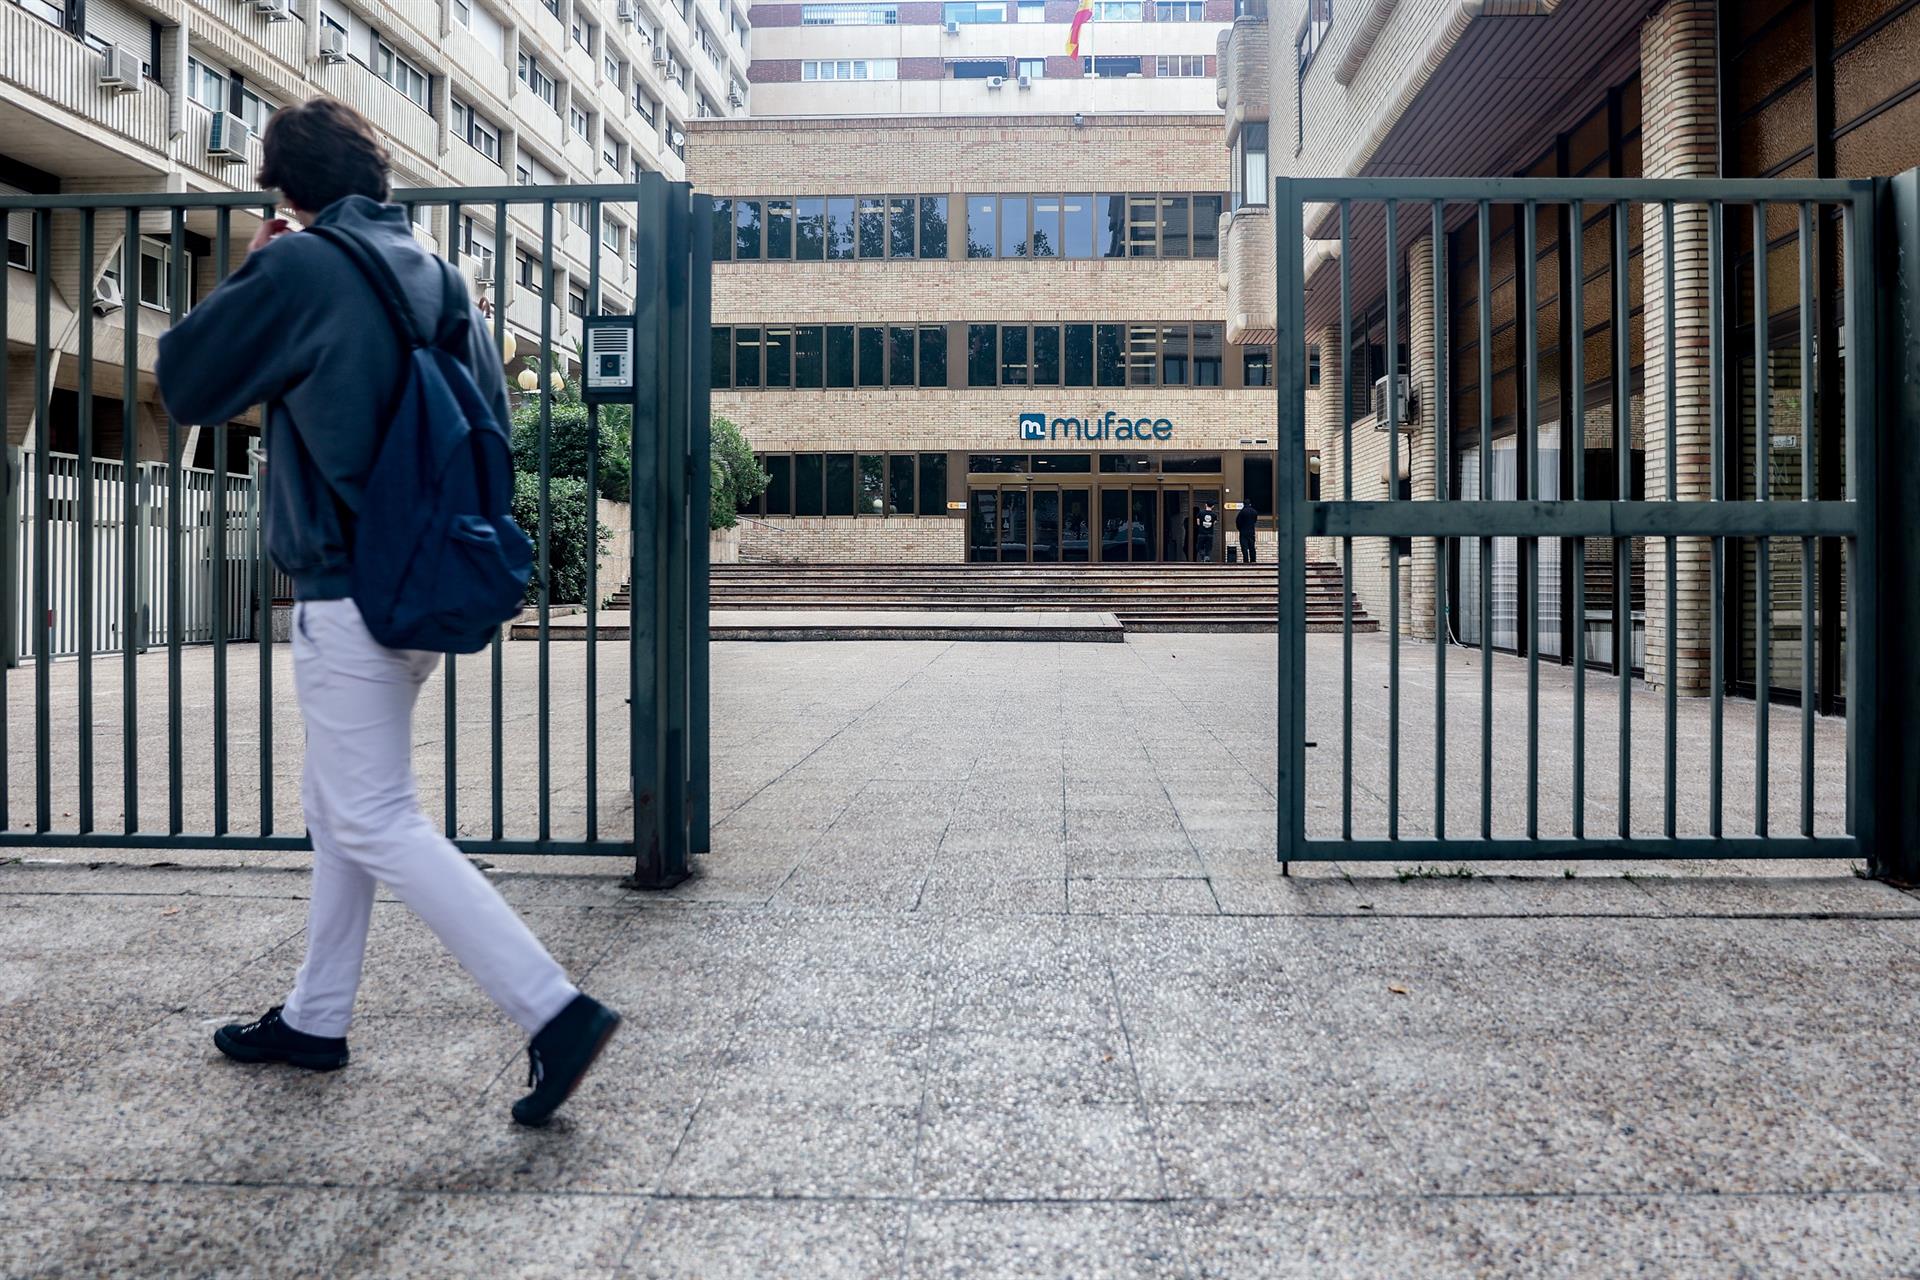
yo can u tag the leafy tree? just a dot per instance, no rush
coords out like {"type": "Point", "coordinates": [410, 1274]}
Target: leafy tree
{"type": "Point", "coordinates": [738, 478]}
{"type": "Point", "coordinates": [567, 442]}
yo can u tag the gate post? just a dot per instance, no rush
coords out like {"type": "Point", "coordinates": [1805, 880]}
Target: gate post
{"type": "Point", "coordinates": [1290, 522]}
{"type": "Point", "coordinates": [9, 559]}
{"type": "Point", "coordinates": [1893, 789]}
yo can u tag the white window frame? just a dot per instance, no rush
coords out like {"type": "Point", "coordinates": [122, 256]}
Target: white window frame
{"type": "Point", "coordinates": [580, 122]}
{"type": "Point", "coordinates": [463, 13]}
{"type": "Point", "coordinates": [1180, 11]}
{"type": "Point", "coordinates": [18, 232]}
{"type": "Point", "coordinates": [160, 251]}
{"type": "Point", "coordinates": [200, 73]}
{"type": "Point", "coordinates": [848, 15]}
{"type": "Point", "coordinates": [255, 109]}
{"type": "Point", "coordinates": [1119, 11]}
{"type": "Point", "coordinates": [849, 69]}
{"type": "Point", "coordinates": [1179, 66]}
{"type": "Point", "coordinates": [393, 67]}
{"type": "Point", "coordinates": [474, 128]}
{"type": "Point", "coordinates": [1033, 67]}
{"type": "Point", "coordinates": [535, 77]}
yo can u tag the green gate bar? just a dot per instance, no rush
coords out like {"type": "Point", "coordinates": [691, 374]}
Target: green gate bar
{"type": "Point", "coordinates": [162, 504]}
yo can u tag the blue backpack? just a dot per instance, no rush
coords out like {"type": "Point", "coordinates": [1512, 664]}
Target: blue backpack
{"type": "Point", "coordinates": [438, 563]}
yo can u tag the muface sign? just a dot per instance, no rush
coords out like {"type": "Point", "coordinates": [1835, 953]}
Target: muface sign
{"type": "Point", "coordinates": [1038, 427]}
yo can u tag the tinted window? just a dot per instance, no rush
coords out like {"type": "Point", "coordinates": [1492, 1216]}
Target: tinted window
{"type": "Point", "coordinates": [839, 484]}
{"type": "Point", "coordinates": [746, 357]}
{"type": "Point", "coordinates": [722, 373]}
{"type": "Point", "coordinates": [1174, 361]}
{"type": "Point", "coordinates": [746, 229]}
{"type": "Point", "coordinates": [1143, 226]}
{"type": "Point", "coordinates": [779, 228]}
{"type": "Point", "coordinates": [779, 485]}
{"type": "Point", "coordinates": [1206, 356]}
{"type": "Point", "coordinates": [873, 227]}
{"type": "Point", "coordinates": [980, 355]}
{"type": "Point", "coordinates": [900, 219]}
{"type": "Point", "coordinates": [873, 356]}
{"type": "Point", "coordinates": [1077, 215]}
{"type": "Point", "coordinates": [779, 344]}
{"type": "Point", "coordinates": [1013, 355]}
{"type": "Point", "coordinates": [1143, 357]}
{"type": "Point", "coordinates": [808, 355]}
{"type": "Point", "coordinates": [980, 226]}
{"type": "Point", "coordinates": [1175, 224]}
{"type": "Point", "coordinates": [1257, 369]}
{"type": "Point", "coordinates": [933, 226]}
{"type": "Point", "coordinates": [806, 484]}
{"type": "Point", "coordinates": [873, 477]}
{"type": "Point", "coordinates": [839, 355]}
{"type": "Point", "coordinates": [933, 356]}
{"type": "Point", "coordinates": [840, 227]}
{"type": "Point", "coordinates": [900, 356]}
{"type": "Point", "coordinates": [1079, 361]}
{"type": "Point", "coordinates": [1013, 226]}
{"type": "Point", "coordinates": [1258, 484]}
{"type": "Point", "coordinates": [1046, 355]}
{"type": "Point", "coordinates": [1046, 226]}
{"type": "Point", "coordinates": [1110, 226]}
{"type": "Point", "coordinates": [1110, 355]}
{"type": "Point", "coordinates": [722, 230]}
{"type": "Point", "coordinates": [1206, 226]}
{"type": "Point", "coordinates": [810, 228]}
{"type": "Point", "coordinates": [900, 491]}
{"type": "Point", "coordinates": [933, 483]}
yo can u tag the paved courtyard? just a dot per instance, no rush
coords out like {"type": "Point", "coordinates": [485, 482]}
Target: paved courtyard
{"type": "Point", "coordinates": [991, 973]}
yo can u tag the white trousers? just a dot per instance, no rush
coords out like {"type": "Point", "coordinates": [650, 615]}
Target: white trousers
{"type": "Point", "coordinates": [363, 813]}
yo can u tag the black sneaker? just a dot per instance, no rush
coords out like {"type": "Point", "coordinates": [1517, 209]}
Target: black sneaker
{"type": "Point", "coordinates": [559, 1056]}
{"type": "Point", "coordinates": [268, 1039]}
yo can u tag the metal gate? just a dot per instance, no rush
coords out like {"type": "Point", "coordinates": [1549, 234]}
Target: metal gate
{"type": "Point", "coordinates": [554, 741]}
{"type": "Point", "coordinates": [1745, 512]}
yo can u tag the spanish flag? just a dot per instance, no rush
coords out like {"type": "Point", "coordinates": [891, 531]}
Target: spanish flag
{"type": "Point", "coordinates": [1081, 16]}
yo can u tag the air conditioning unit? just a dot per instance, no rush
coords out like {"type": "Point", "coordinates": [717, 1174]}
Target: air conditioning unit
{"type": "Point", "coordinates": [673, 69]}
{"type": "Point", "coordinates": [1404, 408]}
{"type": "Point", "coordinates": [995, 82]}
{"type": "Point", "coordinates": [1026, 82]}
{"type": "Point", "coordinates": [120, 69]}
{"type": "Point", "coordinates": [333, 45]}
{"type": "Point", "coordinates": [953, 28]}
{"type": "Point", "coordinates": [274, 10]}
{"type": "Point", "coordinates": [734, 99]}
{"type": "Point", "coordinates": [107, 297]}
{"type": "Point", "coordinates": [624, 12]}
{"type": "Point", "coordinates": [661, 57]}
{"type": "Point", "coordinates": [227, 136]}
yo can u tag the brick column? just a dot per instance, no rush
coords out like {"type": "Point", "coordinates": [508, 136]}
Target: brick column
{"type": "Point", "coordinates": [1677, 69]}
{"type": "Point", "coordinates": [1323, 426]}
{"type": "Point", "coordinates": [1422, 378]}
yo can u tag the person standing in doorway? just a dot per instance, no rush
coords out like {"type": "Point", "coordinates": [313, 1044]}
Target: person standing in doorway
{"type": "Point", "coordinates": [1203, 533]}
{"type": "Point", "coordinates": [1247, 521]}
{"type": "Point", "coordinates": [299, 328]}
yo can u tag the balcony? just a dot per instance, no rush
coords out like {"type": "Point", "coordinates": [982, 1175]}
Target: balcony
{"type": "Point", "coordinates": [39, 61]}
{"type": "Point", "coordinates": [1245, 88]}
{"type": "Point", "coordinates": [1246, 253]}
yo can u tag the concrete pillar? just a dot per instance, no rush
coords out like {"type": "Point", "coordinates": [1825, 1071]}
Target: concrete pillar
{"type": "Point", "coordinates": [1422, 375]}
{"type": "Point", "coordinates": [1680, 140]}
{"type": "Point", "coordinates": [1323, 426]}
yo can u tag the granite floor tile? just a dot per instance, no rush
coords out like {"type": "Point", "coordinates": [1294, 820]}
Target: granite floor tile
{"type": "Point", "coordinates": [1043, 1242]}
{"type": "Point", "coordinates": [1021, 1150]}
{"type": "Point", "coordinates": [778, 1240]}
{"type": "Point", "coordinates": [750, 1148]}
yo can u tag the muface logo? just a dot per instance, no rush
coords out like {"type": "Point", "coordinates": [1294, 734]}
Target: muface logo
{"type": "Point", "coordinates": [1098, 427]}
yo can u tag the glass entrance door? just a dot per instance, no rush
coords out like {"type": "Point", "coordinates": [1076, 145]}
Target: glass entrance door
{"type": "Point", "coordinates": [1176, 526]}
{"type": "Point", "coordinates": [1046, 525]}
{"type": "Point", "coordinates": [1076, 525]}
{"type": "Point", "coordinates": [1143, 532]}
{"type": "Point", "coordinates": [983, 525]}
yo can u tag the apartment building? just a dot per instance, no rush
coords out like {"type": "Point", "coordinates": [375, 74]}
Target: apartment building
{"type": "Point", "coordinates": [984, 57]}
{"type": "Point", "coordinates": [172, 95]}
{"type": "Point", "coordinates": [1571, 88]}
{"type": "Point", "coordinates": [990, 341]}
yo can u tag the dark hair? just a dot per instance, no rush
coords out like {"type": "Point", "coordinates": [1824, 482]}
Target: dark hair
{"type": "Point", "coordinates": [321, 151]}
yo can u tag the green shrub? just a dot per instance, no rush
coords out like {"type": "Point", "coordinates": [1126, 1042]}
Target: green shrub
{"type": "Point", "coordinates": [567, 442]}
{"type": "Point", "coordinates": [575, 535]}
{"type": "Point", "coordinates": [738, 478]}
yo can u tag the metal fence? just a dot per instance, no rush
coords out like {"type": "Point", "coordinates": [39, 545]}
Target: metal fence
{"type": "Point", "coordinates": [130, 558]}
{"type": "Point", "coordinates": [1769, 493]}
{"type": "Point", "coordinates": [602, 752]}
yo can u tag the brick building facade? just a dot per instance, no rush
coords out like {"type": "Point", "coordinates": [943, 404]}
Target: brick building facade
{"type": "Point", "coordinates": [881, 349]}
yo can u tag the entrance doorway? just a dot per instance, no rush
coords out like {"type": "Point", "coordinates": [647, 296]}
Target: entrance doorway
{"type": "Point", "coordinates": [1078, 524]}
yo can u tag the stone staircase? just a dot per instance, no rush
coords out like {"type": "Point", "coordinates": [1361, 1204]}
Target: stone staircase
{"type": "Point", "coordinates": [1179, 597]}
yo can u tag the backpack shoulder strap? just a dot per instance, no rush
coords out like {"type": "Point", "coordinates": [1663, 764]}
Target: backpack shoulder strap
{"type": "Point", "coordinates": [386, 285]}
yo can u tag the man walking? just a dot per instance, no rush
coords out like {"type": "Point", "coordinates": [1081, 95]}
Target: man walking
{"type": "Point", "coordinates": [1203, 533]}
{"type": "Point", "coordinates": [1246, 520]}
{"type": "Point", "coordinates": [300, 328]}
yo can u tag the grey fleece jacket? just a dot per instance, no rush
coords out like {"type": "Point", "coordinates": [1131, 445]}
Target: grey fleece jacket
{"type": "Point", "coordinates": [299, 329]}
